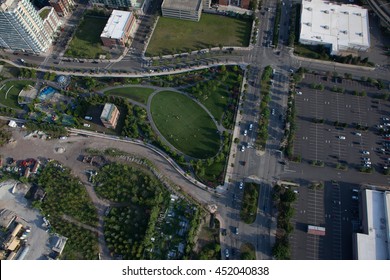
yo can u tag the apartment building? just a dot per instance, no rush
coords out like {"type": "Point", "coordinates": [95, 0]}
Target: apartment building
{"type": "Point", "coordinates": [21, 27]}
{"type": "Point", "coordinates": [62, 7]}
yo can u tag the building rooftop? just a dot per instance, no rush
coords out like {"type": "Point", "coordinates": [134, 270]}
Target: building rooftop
{"type": "Point", "coordinates": [116, 24]}
{"type": "Point", "coordinates": [6, 217]}
{"type": "Point", "coordinates": [191, 5]}
{"type": "Point", "coordinates": [334, 24]}
{"type": "Point", "coordinates": [373, 244]}
{"type": "Point", "coordinates": [107, 111]}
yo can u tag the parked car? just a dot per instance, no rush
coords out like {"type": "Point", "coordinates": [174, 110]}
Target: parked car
{"type": "Point", "coordinates": [88, 118]}
{"type": "Point", "coordinates": [365, 152]}
{"type": "Point", "coordinates": [87, 125]}
{"type": "Point", "coordinates": [241, 186]}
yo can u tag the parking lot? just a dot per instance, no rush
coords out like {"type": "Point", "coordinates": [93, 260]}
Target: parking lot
{"type": "Point", "coordinates": [340, 133]}
{"type": "Point", "coordinates": [331, 125]}
{"type": "Point", "coordinates": [332, 207]}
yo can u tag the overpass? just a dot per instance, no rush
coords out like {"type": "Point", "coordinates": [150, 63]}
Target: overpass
{"type": "Point", "coordinates": [382, 9]}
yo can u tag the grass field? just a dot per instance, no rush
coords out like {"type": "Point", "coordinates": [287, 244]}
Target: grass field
{"type": "Point", "coordinates": [135, 93]}
{"type": "Point", "coordinates": [185, 124]}
{"type": "Point", "coordinates": [86, 42]}
{"type": "Point", "coordinates": [10, 99]}
{"type": "Point", "coordinates": [175, 35]}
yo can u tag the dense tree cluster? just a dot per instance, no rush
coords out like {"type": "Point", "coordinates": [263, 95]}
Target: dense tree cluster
{"type": "Point", "coordinates": [82, 244]}
{"type": "Point", "coordinates": [249, 203]}
{"type": "Point", "coordinates": [124, 183]}
{"type": "Point", "coordinates": [284, 198]}
{"type": "Point", "coordinates": [65, 195]}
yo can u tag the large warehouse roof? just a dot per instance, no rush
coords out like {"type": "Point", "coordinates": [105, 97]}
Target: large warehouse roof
{"type": "Point", "coordinates": [116, 24]}
{"type": "Point", "coordinates": [191, 5]}
{"type": "Point", "coordinates": [331, 23]}
{"type": "Point", "coordinates": [373, 244]}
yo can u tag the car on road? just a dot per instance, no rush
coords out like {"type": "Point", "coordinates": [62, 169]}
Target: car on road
{"type": "Point", "coordinates": [88, 118]}
{"type": "Point", "coordinates": [273, 111]}
{"type": "Point", "coordinates": [242, 148]}
{"type": "Point", "coordinates": [241, 185]}
{"type": "Point", "coordinates": [250, 126]}
{"type": "Point", "coordinates": [299, 92]}
{"type": "Point", "coordinates": [358, 134]}
{"type": "Point", "coordinates": [354, 197]}
{"type": "Point", "coordinates": [235, 230]}
{"type": "Point", "coordinates": [63, 138]}
{"type": "Point", "coordinates": [364, 152]}
{"type": "Point", "coordinates": [342, 137]}
{"type": "Point", "coordinates": [245, 132]}
{"type": "Point", "coordinates": [227, 253]}
{"type": "Point", "coordinates": [87, 125]}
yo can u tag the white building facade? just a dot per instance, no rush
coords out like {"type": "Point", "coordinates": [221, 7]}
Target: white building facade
{"type": "Point", "coordinates": [340, 27]}
{"type": "Point", "coordinates": [21, 27]}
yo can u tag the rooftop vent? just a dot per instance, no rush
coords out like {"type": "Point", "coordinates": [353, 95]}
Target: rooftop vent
{"type": "Point", "coordinates": [360, 34]}
{"type": "Point", "coordinates": [325, 11]}
{"type": "Point", "coordinates": [308, 23]}
{"type": "Point", "coordinates": [325, 27]}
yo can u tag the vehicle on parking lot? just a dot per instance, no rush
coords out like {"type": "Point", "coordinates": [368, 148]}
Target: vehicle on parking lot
{"type": "Point", "coordinates": [354, 197]}
{"type": "Point", "coordinates": [299, 92]}
{"type": "Point", "coordinates": [242, 148]}
{"type": "Point", "coordinates": [385, 119]}
{"type": "Point", "coordinates": [382, 150]}
{"type": "Point", "coordinates": [364, 152]}
{"type": "Point", "coordinates": [88, 118]}
{"type": "Point", "coordinates": [273, 111]}
{"type": "Point", "coordinates": [235, 230]}
{"type": "Point", "coordinates": [87, 125]}
{"type": "Point", "coordinates": [227, 253]}
{"type": "Point", "coordinates": [245, 132]}
{"type": "Point", "coordinates": [250, 126]}
{"type": "Point", "coordinates": [358, 134]}
{"type": "Point", "coordinates": [63, 138]}
{"type": "Point", "coordinates": [241, 185]}
{"type": "Point", "coordinates": [342, 137]}
{"type": "Point", "coordinates": [365, 159]}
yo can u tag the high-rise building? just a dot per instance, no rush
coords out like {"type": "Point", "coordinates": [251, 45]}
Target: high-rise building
{"type": "Point", "coordinates": [21, 27]}
{"type": "Point", "coordinates": [51, 21]}
{"type": "Point", "coordinates": [62, 7]}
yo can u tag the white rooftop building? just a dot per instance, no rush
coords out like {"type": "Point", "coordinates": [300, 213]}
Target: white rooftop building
{"type": "Point", "coordinates": [341, 27]}
{"type": "Point", "coordinates": [373, 244]}
{"type": "Point", "coordinates": [118, 28]}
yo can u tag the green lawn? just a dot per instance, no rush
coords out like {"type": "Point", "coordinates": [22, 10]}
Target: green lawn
{"type": "Point", "coordinates": [86, 42]}
{"type": "Point", "coordinates": [139, 94]}
{"type": "Point", "coordinates": [175, 35]}
{"type": "Point", "coordinates": [185, 124]}
{"type": "Point", "coordinates": [11, 100]}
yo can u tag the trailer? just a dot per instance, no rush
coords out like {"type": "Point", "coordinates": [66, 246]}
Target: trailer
{"type": "Point", "coordinates": [315, 230]}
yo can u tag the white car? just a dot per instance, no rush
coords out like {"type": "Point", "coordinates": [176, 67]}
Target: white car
{"type": "Point", "coordinates": [245, 132]}
{"type": "Point", "coordinates": [241, 185]}
{"type": "Point", "coordinates": [342, 137]}
{"type": "Point", "coordinates": [365, 152]}
{"type": "Point", "coordinates": [242, 148]}
{"type": "Point", "coordinates": [87, 125]}
{"type": "Point", "coordinates": [227, 253]}
{"type": "Point", "coordinates": [358, 134]}
{"type": "Point", "coordinates": [366, 159]}
{"type": "Point", "coordinates": [88, 118]}
{"type": "Point", "coordinates": [273, 111]}
{"type": "Point", "coordinates": [63, 138]}
{"type": "Point", "coordinates": [299, 92]}
{"type": "Point", "coordinates": [250, 126]}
